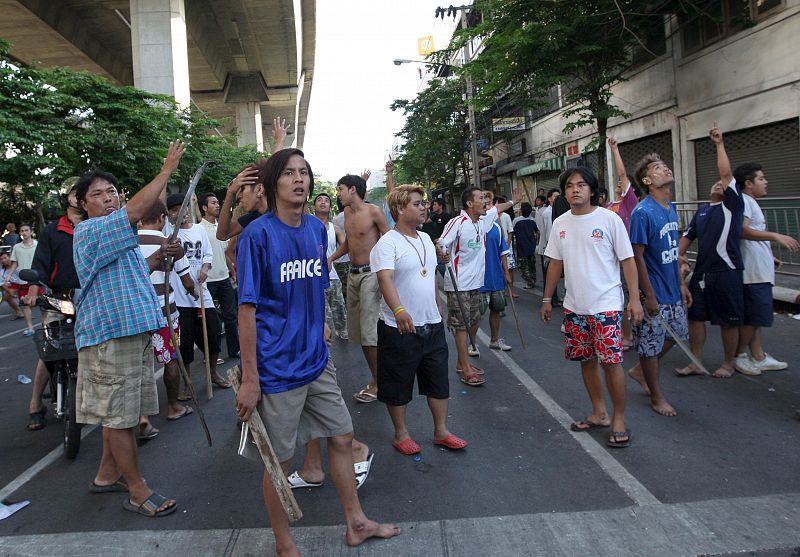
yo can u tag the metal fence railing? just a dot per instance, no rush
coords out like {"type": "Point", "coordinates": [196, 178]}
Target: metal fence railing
{"type": "Point", "coordinates": [782, 215]}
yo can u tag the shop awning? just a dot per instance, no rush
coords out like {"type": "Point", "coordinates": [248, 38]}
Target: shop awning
{"type": "Point", "coordinates": [511, 167]}
{"type": "Point", "coordinates": [549, 164]}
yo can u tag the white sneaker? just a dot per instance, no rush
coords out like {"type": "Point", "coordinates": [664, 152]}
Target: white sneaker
{"type": "Point", "coordinates": [474, 352]}
{"type": "Point", "coordinates": [769, 363]}
{"type": "Point", "coordinates": [500, 345]}
{"type": "Point", "coordinates": [745, 364]}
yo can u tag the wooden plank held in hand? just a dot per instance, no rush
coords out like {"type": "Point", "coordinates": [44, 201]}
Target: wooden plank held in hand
{"type": "Point", "coordinates": [209, 390]}
{"type": "Point", "coordinates": [274, 469]}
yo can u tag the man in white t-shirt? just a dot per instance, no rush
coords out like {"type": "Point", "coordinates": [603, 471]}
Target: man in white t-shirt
{"type": "Point", "coordinates": [22, 258]}
{"type": "Point", "coordinates": [197, 248]}
{"type": "Point", "coordinates": [464, 238]}
{"type": "Point", "coordinates": [221, 273]}
{"type": "Point", "coordinates": [759, 272]}
{"type": "Point", "coordinates": [411, 339]}
{"type": "Point", "coordinates": [588, 243]}
{"type": "Point", "coordinates": [333, 294]}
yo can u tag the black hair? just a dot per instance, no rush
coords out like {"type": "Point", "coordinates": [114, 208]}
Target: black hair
{"type": "Point", "coordinates": [83, 183]}
{"type": "Point", "coordinates": [526, 209]}
{"type": "Point", "coordinates": [353, 181]}
{"type": "Point", "coordinates": [467, 195]}
{"type": "Point", "coordinates": [745, 172]}
{"type": "Point", "coordinates": [202, 201]}
{"type": "Point", "coordinates": [438, 200]}
{"type": "Point", "coordinates": [588, 177]}
{"type": "Point", "coordinates": [270, 170]}
{"type": "Point", "coordinates": [152, 215]}
{"type": "Point", "coordinates": [25, 224]}
{"type": "Point", "coordinates": [550, 192]}
{"type": "Point", "coordinates": [323, 194]}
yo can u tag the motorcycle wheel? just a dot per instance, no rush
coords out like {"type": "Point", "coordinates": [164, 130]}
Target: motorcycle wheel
{"type": "Point", "coordinates": [72, 429]}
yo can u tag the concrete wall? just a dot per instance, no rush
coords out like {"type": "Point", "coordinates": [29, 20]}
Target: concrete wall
{"type": "Point", "coordinates": [748, 79]}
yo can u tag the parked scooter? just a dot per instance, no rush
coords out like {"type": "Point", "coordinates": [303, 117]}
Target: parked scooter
{"type": "Point", "coordinates": [55, 342]}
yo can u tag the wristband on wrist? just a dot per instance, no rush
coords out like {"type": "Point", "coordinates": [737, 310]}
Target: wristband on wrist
{"type": "Point", "coordinates": [399, 309]}
{"type": "Point", "coordinates": [547, 300]}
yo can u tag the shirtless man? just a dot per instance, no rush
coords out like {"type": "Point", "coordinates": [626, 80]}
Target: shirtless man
{"type": "Point", "coordinates": [364, 223]}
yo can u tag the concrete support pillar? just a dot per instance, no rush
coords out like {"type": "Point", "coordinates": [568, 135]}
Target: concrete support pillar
{"type": "Point", "coordinates": [248, 123]}
{"type": "Point", "coordinates": [160, 53]}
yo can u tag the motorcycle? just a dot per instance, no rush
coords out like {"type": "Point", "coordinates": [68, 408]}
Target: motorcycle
{"type": "Point", "coordinates": [55, 343]}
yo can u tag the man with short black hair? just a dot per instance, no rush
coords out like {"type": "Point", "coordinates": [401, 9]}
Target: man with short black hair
{"type": "Point", "coordinates": [219, 276]}
{"type": "Point", "coordinates": [439, 218]}
{"type": "Point", "coordinates": [525, 237]}
{"type": "Point", "coordinates": [759, 272]}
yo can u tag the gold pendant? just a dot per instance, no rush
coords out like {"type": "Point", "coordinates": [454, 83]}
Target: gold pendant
{"type": "Point", "coordinates": [423, 272]}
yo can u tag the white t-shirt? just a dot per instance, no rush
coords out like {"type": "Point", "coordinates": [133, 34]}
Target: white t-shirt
{"type": "Point", "coordinates": [591, 247]}
{"type": "Point", "coordinates": [198, 252]}
{"type": "Point", "coordinates": [219, 268]}
{"type": "Point", "coordinates": [544, 220]}
{"type": "Point", "coordinates": [23, 255]}
{"type": "Point", "coordinates": [338, 220]}
{"type": "Point", "coordinates": [149, 242]}
{"type": "Point", "coordinates": [759, 266]}
{"type": "Point", "coordinates": [466, 242]}
{"type": "Point", "coordinates": [505, 225]}
{"type": "Point", "coordinates": [395, 251]}
{"type": "Point", "coordinates": [332, 274]}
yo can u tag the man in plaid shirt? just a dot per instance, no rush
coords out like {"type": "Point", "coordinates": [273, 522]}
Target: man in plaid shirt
{"type": "Point", "coordinates": [117, 311]}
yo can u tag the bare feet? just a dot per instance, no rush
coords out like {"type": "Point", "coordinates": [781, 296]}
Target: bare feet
{"type": "Point", "coordinates": [287, 551]}
{"type": "Point", "coordinates": [723, 372]}
{"type": "Point", "coordinates": [637, 375]}
{"type": "Point", "coordinates": [359, 532]}
{"type": "Point", "coordinates": [360, 451]}
{"type": "Point", "coordinates": [691, 369]}
{"type": "Point", "coordinates": [663, 407]}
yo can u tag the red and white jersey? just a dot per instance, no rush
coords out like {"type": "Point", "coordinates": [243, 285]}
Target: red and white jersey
{"type": "Point", "coordinates": [465, 241]}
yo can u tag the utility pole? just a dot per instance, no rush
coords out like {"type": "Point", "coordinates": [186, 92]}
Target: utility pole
{"type": "Point", "coordinates": [467, 56]}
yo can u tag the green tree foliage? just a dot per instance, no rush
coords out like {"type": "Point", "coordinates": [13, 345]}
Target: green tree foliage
{"type": "Point", "coordinates": [583, 45]}
{"type": "Point", "coordinates": [56, 123]}
{"type": "Point", "coordinates": [436, 135]}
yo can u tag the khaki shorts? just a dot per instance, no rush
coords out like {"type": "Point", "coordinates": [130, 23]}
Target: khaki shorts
{"type": "Point", "coordinates": [472, 305]}
{"type": "Point", "coordinates": [116, 382]}
{"type": "Point", "coordinates": [363, 308]}
{"type": "Point", "coordinates": [309, 412]}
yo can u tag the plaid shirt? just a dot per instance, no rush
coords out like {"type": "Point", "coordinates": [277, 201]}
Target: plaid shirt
{"type": "Point", "coordinates": [117, 298]}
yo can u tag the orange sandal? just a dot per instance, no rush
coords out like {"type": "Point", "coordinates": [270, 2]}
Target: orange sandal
{"type": "Point", "coordinates": [451, 442]}
{"type": "Point", "coordinates": [471, 379]}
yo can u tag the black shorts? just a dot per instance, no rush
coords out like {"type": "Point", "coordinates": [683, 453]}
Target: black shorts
{"type": "Point", "coordinates": [758, 308]}
{"type": "Point", "coordinates": [402, 357]}
{"type": "Point", "coordinates": [192, 332]}
{"type": "Point", "coordinates": [717, 297]}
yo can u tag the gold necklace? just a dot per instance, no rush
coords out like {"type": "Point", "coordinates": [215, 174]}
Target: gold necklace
{"type": "Point", "coordinates": [423, 258]}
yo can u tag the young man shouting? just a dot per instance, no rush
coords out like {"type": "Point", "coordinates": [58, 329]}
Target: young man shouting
{"type": "Point", "coordinates": [287, 374]}
{"type": "Point", "coordinates": [411, 339]}
{"type": "Point", "coordinates": [588, 243]}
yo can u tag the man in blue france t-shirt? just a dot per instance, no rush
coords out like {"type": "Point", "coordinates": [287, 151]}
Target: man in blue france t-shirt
{"type": "Point", "coordinates": [495, 278]}
{"type": "Point", "coordinates": [287, 375]}
{"type": "Point", "coordinates": [716, 285]}
{"type": "Point", "coordinates": [654, 235]}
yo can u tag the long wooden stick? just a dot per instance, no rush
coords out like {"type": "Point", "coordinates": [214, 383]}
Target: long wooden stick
{"type": "Point", "coordinates": [209, 391]}
{"type": "Point", "coordinates": [271, 462]}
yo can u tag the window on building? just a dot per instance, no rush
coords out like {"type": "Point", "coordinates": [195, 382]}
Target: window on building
{"type": "Point", "coordinates": [704, 23]}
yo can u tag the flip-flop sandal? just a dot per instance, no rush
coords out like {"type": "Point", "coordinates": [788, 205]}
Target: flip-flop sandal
{"type": "Point", "coordinates": [186, 411]}
{"type": "Point", "coordinates": [184, 397]}
{"type": "Point", "coordinates": [118, 486]}
{"type": "Point", "coordinates": [296, 481]}
{"type": "Point", "coordinates": [365, 396]}
{"type": "Point", "coordinates": [150, 506]}
{"type": "Point", "coordinates": [36, 421]}
{"type": "Point", "coordinates": [471, 379]}
{"type": "Point", "coordinates": [147, 433]}
{"type": "Point", "coordinates": [613, 441]}
{"type": "Point", "coordinates": [362, 470]}
{"type": "Point", "coordinates": [478, 371]}
{"type": "Point", "coordinates": [451, 442]}
{"type": "Point", "coordinates": [407, 446]}
{"type": "Point", "coordinates": [586, 425]}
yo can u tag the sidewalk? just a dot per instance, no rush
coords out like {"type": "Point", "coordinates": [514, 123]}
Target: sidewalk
{"type": "Point", "coordinates": [723, 526]}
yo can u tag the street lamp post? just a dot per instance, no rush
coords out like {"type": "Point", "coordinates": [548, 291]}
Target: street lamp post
{"type": "Point", "coordinates": [476, 180]}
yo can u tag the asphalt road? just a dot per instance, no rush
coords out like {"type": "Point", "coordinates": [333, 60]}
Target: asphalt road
{"type": "Point", "coordinates": [733, 443]}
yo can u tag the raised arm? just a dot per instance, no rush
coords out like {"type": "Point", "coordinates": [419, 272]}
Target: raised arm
{"type": "Point", "coordinates": [140, 203]}
{"type": "Point", "coordinates": [226, 227]}
{"type": "Point", "coordinates": [516, 199]}
{"type": "Point", "coordinates": [723, 164]}
{"type": "Point", "coordinates": [619, 166]}
{"type": "Point", "coordinates": [389, 176]}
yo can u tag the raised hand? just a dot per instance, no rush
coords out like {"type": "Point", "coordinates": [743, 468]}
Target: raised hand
{"type": "Point", "coordinates": [173, 158]}
{"type": "Point", "coordinates": [366, 174]}
{"type": "Point", "coordinates": [715, 134]}
{"type": "Point", "coordinates": [612, 142]}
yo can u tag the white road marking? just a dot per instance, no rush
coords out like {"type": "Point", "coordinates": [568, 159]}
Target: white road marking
{"type": "Point", "coordinates": [618, 473]}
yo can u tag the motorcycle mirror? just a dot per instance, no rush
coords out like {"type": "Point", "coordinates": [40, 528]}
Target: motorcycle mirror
{"type": "Point", "coordinates": [29, 275]}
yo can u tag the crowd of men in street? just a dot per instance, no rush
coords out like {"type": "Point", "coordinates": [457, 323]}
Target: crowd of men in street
{"type": "Point", "coordinates": [286, 279]}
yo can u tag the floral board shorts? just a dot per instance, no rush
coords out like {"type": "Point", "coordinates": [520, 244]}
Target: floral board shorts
{"type": "Point", "coordinates": [587, 336]}
{"type": "Point", "coordinates": [650, 334]}
{"type": "Point", "coordinates": [163, 348]}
